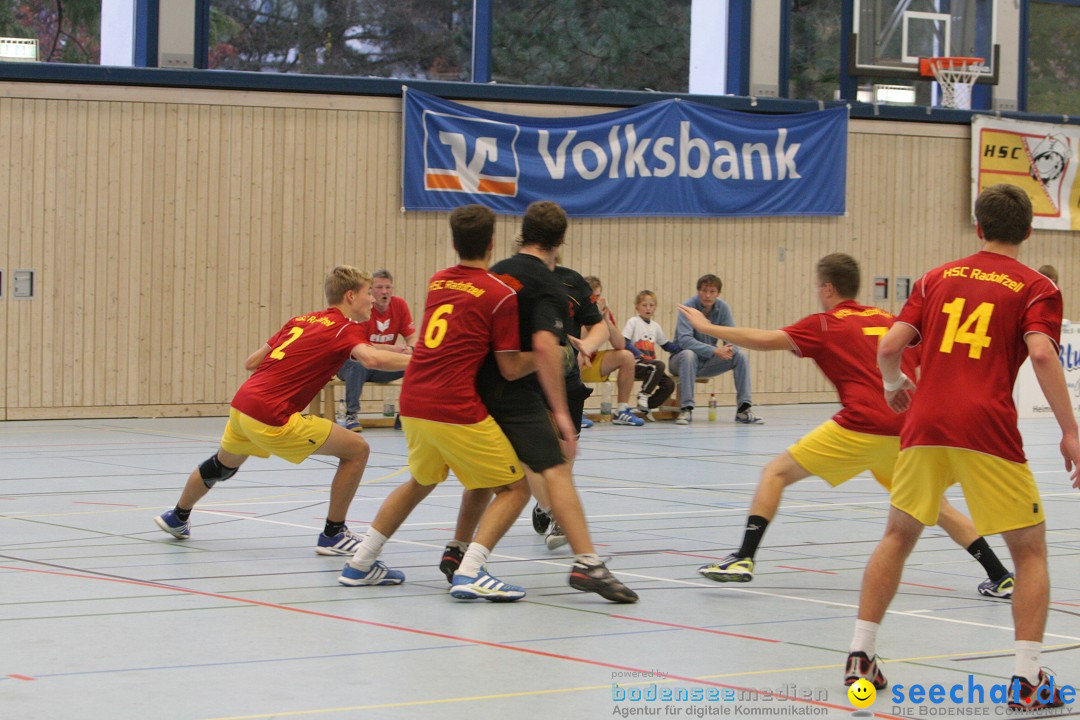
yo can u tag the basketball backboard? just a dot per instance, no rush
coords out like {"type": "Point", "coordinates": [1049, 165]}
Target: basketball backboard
{"type": "Point", "coordinates": [889, 36]}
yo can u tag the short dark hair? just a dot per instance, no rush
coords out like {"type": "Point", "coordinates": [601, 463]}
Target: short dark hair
{"type": "Point", "coordinates": [384, 274]}
{"type": "Point", "coordinates": [544, 225]}
{"type": "Point", "coordinates": [472, 227]}
{"type": "Point", "coordinates": [710, 279]}
{"type": "Point", "coordinates": [1050, 271]}
{"type": "Point", "coordinates": [842, 272]}
{"type": "Point", "coordinates": [1004, 213]}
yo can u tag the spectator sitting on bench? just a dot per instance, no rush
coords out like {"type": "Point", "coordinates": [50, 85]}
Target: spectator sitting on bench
{"type": "Point", "coordinates": [390, 319]}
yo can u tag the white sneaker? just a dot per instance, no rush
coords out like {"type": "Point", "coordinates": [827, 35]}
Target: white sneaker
{"type": "Point", "coordinates": [685, 417]}
{"type": "Point", "coordinates": [643, 402]}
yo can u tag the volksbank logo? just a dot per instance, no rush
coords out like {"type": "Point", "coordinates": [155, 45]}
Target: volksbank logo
{"type": "Point", "coordinates": [626, 154]}
{"type": "Point", "coordinates": [470, 155]}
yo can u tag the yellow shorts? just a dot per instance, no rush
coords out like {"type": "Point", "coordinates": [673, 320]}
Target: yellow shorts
{"type": "Point", "coordinates": [837, 454]}
{"type": "Point", "coordinates": [479, 454]}
{"type": "Point", "coordinates": [1001, 495]}
{"type": "Point", "coordinates": [293, 441]}
{"type": "Point", "coordinates": [592, 373]}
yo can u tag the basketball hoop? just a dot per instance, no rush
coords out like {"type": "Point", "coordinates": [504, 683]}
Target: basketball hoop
{"type": "Point", "coordinates": [955, 75]}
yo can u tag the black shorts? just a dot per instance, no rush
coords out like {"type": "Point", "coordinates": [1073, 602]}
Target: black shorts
{"type": "Point", "coordinates": [576, 394]}
{"type": "Point", "coordinates": [526, 421]}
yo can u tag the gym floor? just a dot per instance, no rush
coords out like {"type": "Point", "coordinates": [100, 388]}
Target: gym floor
{"type": "Point", "coordinates": [104, 616]}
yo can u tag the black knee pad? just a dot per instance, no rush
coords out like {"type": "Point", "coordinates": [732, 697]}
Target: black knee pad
{"type": "Point", "coordinates": [213, 472]}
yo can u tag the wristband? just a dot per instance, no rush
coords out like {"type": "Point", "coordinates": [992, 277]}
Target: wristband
{"type": "Point", "coordinates": [894, 386]}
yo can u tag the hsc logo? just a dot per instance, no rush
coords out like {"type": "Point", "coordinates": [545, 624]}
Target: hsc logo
{"type": "Point", "coordinates": [470, 155]}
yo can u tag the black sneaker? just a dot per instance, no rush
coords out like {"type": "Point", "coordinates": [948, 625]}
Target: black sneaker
{"type": "Point", "coordinates": [598, 579]}
{"type": "Point", "coordinates": [861, 666]}
{"type": "Point", "coordinates": [1034, 697]}
{"type": "Point", "coordinates": [451, 561]}
{"type": "Point", "coordinates": [541, 520]}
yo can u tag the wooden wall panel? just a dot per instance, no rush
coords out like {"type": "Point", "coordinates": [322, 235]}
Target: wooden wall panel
{"type": "Point", "coordinates": [174, 230]}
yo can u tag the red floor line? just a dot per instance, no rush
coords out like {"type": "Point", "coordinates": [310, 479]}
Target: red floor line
{"type": "Point", "coordinates": [83, 502]}
{"type": "Point", "coordinates": [1059, 602]}
{"type": "Point", "coordinates": [22, 677]}
{"type": "Point", "coordinates": [792, 567]}
{"type": "Point", "coordinates": [931, 587]}
{"type": "Point", "coordinates": [698, 629]}
{"type": "Point", "coordinates": [428, 633]}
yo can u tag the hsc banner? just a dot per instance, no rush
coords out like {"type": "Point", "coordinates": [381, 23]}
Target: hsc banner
{"type": "Point", "coordinates": [1039, 158]}
{"type": "Point", "coordinates": [666, 158]}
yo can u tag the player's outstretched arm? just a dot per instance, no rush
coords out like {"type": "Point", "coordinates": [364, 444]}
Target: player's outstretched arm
{"type": "Point", "coordinates": [549, 368]}
{"type": "Point", "coordinates": [1047, 367]}
{"type": "Point", "coordinates": [514, 364]}
{"type": "Point", "coordinates": [751, 338]}
{"type": "Point", "coordinates": [257, 357]}
{"type": "Point", "coordinates": [379, 359]}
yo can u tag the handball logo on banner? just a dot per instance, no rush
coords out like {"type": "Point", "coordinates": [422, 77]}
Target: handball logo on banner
{"type": "Point", "coordinates": [470, 155]}
{"type": "Point", "coordinates": [1035, 163]}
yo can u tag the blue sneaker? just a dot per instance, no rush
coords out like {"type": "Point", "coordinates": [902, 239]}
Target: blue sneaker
{"type": "Point", "coordinates": [344, 543]}
{"type": "Point", "coordinates": [625, 417]}
{"type": "Point", "coordinates": [485, 586]}
{"type": "Point", "coordinates": [352, 424]}
{"type": "Point", "coordinates": [377, 574]}
{"type": "Point", "coordinates": [173, 525]}
{"type": "Point", "coordinates": [586, 423]}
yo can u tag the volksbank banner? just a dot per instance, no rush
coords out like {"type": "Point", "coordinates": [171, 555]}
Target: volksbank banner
{"type": "Point", "coordinates": [666, 158]}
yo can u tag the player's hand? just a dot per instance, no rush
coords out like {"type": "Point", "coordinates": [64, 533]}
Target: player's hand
{"type": "Point", "coordinates": [697, 319]}
{"type": "Point", "coordinates": [601, 305]}
{"type": "Point", "coordinates": [724, 351]}
{"type": "Point", "coordinates": [900, 399]}
{"type": "Point", "coordinates": [1070, 450]}
{"type": "Point", "coordinates": [568, 433]}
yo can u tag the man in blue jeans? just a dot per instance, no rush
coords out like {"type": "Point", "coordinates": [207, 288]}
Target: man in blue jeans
{"type": "Point", "coordinates": [704, 356]}
{"type": "Point", "coordinates": [390, 319]}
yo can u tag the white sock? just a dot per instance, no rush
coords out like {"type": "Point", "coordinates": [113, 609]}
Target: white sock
{"type": "Point", "coordinates": [865, 639]}
{"type": "Point", "coordinates": [588, 559]}
{"type": "Point", "coordinates": [460, 545]}
{"type": "Point", "coordinates": [624, 406]}
{"type": "Point", "coordinates": [1027, 660]}
{"type": "Point", "coordinates": [368, 552]}
{"type": "Point", "coordinates": [475, 558]}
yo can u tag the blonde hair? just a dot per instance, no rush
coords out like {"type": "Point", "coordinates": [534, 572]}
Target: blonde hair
{"type": "Point", "coordinates": [594, 282]}
{"type": "Point", "coordinates": [642, 295]}
{"type": "Point", "coordinates": [341, 280]}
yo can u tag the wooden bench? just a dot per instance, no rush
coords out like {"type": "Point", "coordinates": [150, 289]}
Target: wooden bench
{"type": "Point", "coordinates": [325, 403]}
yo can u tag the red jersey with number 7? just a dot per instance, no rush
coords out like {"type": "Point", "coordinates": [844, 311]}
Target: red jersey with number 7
{"type": "Point", "coordinates": [468, 312]}
{"type": "Point", "coordinates": [843, 342]}
{"type": "Point", "coordinates": [972, 316]}
{"type": "Point", "coordinates": [306, 353]}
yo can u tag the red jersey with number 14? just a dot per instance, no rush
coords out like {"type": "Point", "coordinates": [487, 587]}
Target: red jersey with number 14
{"type": "Point", "coordinates": [468, 312]}
{"type": "Point", "coordinates": [306, 353]}
{"type": "Point", "coordinates": [972, 315]}
{"type": "Point", "coordinates": [843, 342]}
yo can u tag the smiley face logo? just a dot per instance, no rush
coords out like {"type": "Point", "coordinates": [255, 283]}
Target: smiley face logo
{"type": "Point", "coordinates": [862, 693]}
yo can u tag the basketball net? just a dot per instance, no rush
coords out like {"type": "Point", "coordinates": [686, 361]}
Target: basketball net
{"type": "Point", "coordinates": [956, 76]}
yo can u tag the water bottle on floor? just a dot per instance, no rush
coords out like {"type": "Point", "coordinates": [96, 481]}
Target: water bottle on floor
{"type": "Point", "coordinates": [712, 407]}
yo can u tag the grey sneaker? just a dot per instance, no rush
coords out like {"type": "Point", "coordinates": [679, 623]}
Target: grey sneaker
{"type": "Point", "coordinates": [686, 416]}
{"type": "Point", "coordinates": [556, 538]}
{"type": "Point", "coordinates": [747, 417]}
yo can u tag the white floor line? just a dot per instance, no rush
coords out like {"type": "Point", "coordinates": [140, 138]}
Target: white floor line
{"type": "Point", "coordinates": [747, 591]}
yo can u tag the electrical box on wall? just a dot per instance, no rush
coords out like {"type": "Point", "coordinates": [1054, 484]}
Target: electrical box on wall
{"type": "Point", "coordinates": [881, 287]}
{"type": "Point", "coordinates": [903, 288]}
{"type": "Point", "coordinates": [22, 284]}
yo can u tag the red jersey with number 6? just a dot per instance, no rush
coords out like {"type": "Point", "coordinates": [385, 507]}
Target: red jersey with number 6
{"type": "Point", "coordinates": [306, 353]}
{"type": "Point", "coordinates": [468, 312]}
{"type": "Point", "coordinates": [972, 316]}
{"type": "Point", "coordinates": [843, 342]}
